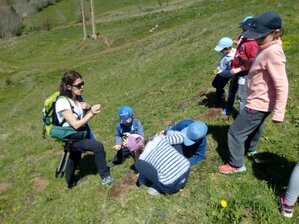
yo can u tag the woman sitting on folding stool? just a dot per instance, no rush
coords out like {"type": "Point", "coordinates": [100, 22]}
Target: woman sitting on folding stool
{"type": "Point", "coordinates": [69, 111]}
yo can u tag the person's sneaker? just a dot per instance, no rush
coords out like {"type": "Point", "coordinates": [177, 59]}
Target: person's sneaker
{"type": "Point", "coordinates": [225, 111]}
{"type": "Point", "coordinates": [286, 209]}
{"type": "Point", "coordinates": [108, 181]}
{"type": "Point", "coordinates": [251, 154]}
{"type": "Point", "coordinates": [228, 169]}
{"type": "Point", "coordinates": [152, 191]}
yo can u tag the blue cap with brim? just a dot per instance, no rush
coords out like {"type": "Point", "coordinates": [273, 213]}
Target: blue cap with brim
{"type": "Point", "coordinates": [125, 114]}
{"type": "Point", "coordinates": [224, 42]}
{"type": "Point", "coordinates": [245, 20]}
{"type": "Point", "coordinates": [194, 132]}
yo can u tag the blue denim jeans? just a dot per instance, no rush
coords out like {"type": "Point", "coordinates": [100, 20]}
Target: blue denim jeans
{"type": "Point", "coordinates": [149, 176]}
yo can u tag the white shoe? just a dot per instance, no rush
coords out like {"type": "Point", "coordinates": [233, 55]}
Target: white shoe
{"type": "Point", "coordinates": [152, 191]}
{"type": "Point", "coordinates": [251, 154]}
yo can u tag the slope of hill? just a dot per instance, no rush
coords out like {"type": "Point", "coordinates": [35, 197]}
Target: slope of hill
{"type": "Point", "coordinates": [164, 75]}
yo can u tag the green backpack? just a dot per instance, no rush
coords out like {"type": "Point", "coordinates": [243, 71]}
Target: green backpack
{"type": "Point", "coordinates": [51, 123]}
{"type": "Point", "coordinates": [49, 114]}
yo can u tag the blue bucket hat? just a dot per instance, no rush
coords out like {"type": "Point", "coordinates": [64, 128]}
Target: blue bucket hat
{"type": "Point", "coordinates": [194, 132]}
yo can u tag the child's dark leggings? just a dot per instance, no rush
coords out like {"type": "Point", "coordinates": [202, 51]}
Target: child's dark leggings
{"type": "Point", "coordinates": [219, 83]}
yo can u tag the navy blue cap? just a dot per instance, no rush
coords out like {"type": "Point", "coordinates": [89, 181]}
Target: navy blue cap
{"type": "Point", "coordinates": [263, 24]}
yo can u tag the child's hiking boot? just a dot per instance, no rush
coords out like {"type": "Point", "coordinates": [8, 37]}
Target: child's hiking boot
{"type": "Point", "coordinates": [108, 181]}
{"type": "Point", "coordinates": [285, 208]}
{"type": "Point", "coordinates": [228, 169]}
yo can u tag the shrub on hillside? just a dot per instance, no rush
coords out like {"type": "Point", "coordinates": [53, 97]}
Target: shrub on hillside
{"type": "Point", "coordinates": [38, 25]}
{"type": "Point", "coordinates": [46, 24]}
{"type": "Point", "coordinates": [24, 8]}
{"type": "Point", "coordinates": [40, 4]}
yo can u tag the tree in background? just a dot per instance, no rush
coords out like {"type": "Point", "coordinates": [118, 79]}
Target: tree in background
{"type": "Point", "coordinates": [12, 14]}
{"type": "Point", "coordinates": [10, 21]}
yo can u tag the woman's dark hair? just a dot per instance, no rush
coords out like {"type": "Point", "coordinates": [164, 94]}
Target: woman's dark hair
{"type": "Point", "coordinates": [68, 79]}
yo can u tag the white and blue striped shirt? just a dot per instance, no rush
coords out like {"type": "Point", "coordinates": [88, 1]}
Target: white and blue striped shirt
{"type": "Point", "coordinates": [168, 162]}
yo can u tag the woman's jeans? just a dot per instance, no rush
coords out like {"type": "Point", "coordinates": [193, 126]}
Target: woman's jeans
{"type": "Point", "coordinates": [148, 176]}
{"type": "Point", "coordinates": [75, 155]}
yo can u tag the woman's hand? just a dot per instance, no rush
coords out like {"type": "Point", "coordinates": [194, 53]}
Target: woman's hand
{"type": "Point", "coordinates": [95, 109]}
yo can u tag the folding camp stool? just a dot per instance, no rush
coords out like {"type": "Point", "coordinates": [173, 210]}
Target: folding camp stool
{"type": "Point", "coordinates": [67, 145]}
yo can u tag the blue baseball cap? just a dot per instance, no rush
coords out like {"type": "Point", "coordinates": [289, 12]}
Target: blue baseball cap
{"type": "Point", "coordinates": [194, 132]}
{"type": "Point", "coordinates": [125, 114]}
{"type": "Point", "coordinates": [224, 42]}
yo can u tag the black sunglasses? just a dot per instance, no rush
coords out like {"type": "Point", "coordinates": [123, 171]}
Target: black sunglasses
{"type": "Point", "coordinates": [79, 85]}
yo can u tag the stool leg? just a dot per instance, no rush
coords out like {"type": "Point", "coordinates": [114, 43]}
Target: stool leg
{"type": "Point", "coordinates": [65, 163]}
{"type": "Point", "coordinates": [61, 164]}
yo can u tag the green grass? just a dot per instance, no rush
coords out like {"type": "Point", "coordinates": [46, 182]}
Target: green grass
{"type": "Point", "coordinates": [161, 75]}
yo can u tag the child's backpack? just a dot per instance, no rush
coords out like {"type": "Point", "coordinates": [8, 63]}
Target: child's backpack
{"type": "Point", "coordinates": [49, 114]}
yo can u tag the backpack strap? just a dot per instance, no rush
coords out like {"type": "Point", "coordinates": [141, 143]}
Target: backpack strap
{"type": "Point", "coordinates": [54, 111]}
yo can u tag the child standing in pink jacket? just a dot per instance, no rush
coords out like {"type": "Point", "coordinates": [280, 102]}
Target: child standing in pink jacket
{"type": "Point", "coordinates": [267, 91]}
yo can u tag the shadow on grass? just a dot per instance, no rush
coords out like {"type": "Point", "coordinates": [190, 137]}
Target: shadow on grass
{"type": "Point", "coordinates": [272, 168]}
{"type": "Point", "coordinates": [208, 100]}
{"type": "Point", "coordinates": [87, 166]}
{"type": "Point", "coordinates": [219, 134]}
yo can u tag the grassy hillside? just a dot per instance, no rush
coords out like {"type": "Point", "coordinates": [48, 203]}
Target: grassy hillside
{"type": "Point", "coordinates": [164, 76]}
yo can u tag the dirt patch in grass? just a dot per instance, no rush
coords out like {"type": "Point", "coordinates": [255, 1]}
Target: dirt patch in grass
{"type": "Point", "coordinates": [40, 184]}
{"type": "Point", "coordinates": [4, 186]}
{"type": "Point", "coordinates": [211, 113]}
{"type": "Point", "coordinates": [123, 186]}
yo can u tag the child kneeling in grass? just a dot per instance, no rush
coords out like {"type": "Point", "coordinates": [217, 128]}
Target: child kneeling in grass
{"type": "Point", "coordinates": [160, 166]}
